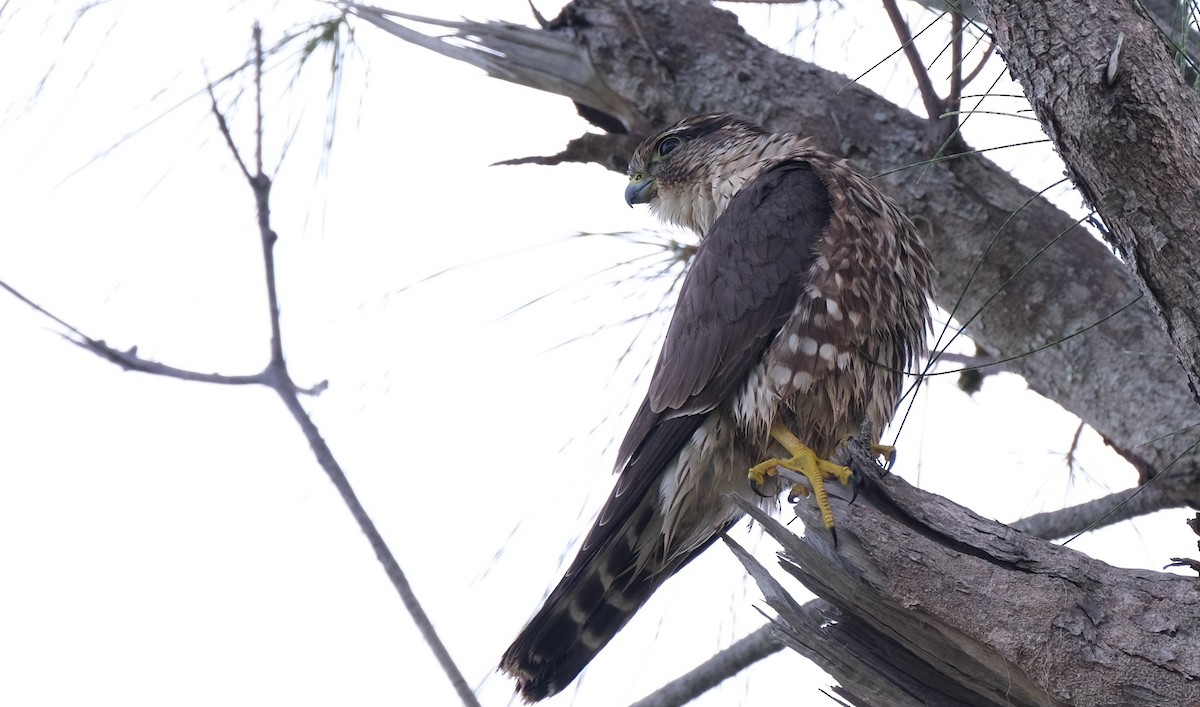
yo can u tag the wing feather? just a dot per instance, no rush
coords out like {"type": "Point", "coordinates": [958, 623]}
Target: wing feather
{"type": "Point", "coordinates": [744, 283]}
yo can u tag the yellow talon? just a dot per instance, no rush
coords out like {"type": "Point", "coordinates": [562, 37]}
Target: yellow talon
{"type": "Point", "coordinates": [805, 461]}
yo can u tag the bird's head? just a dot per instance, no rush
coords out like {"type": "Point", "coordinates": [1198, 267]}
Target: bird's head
{"type": "Point", "coordinates": [688, 172]}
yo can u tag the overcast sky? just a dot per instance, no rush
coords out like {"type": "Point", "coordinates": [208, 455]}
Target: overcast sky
{"type": "Point", "coordinates": [164, 542]}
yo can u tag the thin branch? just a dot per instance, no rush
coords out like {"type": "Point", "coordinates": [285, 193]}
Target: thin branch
{"type": "Point", "coordinates": [41, 310]}
{"type": "Point", "coordinates": [954, 100]}
{"type": "Point", "coordinates": [1111, 509]}
{"type": "Point", "coordinates": [725, 664]}
{"type": "Point", "coordinates": [383, 553]}
{"type": "Point", "coordinates": [130, 360]}
{"type": "Point", "coordinates": [258, 117]}
{"type": "Point", "coordinates": [987, 54]}
{"type": "Point", "coordinates": [224, 128]}
{"type": "Point", "coordinates": [934, 106]}
{"type": "Point", "coordinates": [279, 379]}
{"type": "Point", "coordinates": [276, 376]}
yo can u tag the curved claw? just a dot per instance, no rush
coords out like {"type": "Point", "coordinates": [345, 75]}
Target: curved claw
{"type": "Point", "coordinates": [756, 488]}
{"type": "Point", "coordinates": [889, 454]}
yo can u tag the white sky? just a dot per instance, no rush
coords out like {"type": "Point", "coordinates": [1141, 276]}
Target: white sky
{"type": "Point", "coordinates": [164, 542]}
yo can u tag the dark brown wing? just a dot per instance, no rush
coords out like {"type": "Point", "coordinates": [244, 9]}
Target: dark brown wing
{"type": "Point", "coordinates": [743, 284]}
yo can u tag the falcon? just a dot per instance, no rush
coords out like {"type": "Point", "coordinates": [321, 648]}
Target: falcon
{"type": "Point", "coordinates": [804, 304]}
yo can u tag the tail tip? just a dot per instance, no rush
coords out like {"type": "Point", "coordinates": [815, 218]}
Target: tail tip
{"type": "Point", "coordinates": [531, 686]}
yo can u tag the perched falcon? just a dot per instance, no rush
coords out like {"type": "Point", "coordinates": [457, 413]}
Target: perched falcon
{"type": "Point", "coordinates": [805, 301]}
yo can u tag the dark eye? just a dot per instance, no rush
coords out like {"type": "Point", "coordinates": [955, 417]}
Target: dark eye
{"type": "Point", "coordinates": [668, 145]}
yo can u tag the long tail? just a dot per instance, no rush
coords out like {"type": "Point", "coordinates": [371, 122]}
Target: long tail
{"type": "Point", "coordinates": [602, 590]}
{"type": "Point", "coordinates": [595, 599]}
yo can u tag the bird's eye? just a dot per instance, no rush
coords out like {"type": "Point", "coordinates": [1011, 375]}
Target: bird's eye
{"type": "Point", "coordinates": [668, 145]}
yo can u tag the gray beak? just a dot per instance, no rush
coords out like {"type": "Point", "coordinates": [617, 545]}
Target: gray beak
{"type": "Point", "coordinates": [641, 189]}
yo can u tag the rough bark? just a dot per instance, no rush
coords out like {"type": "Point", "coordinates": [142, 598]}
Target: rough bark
{"type": "Point", "coordinates": [1170, 17]}
{"type": "Point", "coordinates": [938, 606]}
{"type": "Point", "coordinates": [644, 63]}
{"type": "Point", "coordinates": [1099, 76]}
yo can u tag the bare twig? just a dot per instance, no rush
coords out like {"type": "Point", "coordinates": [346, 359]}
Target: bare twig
{"type": "Point", "coordinates": [1074, 448]}
{"type": "Point", "coordinates": [279, 379]}
{"type": "Point", "coordinates": [934, 106]}
{"type": "Point", "coordinates": [1111, 509]}
{"type": "Point", "coordinates": [726, 663]}
{"type": "Point", "coordinates": [276, 376]}
{"type": "Point", "coordinates": [987, 54]}
{"type": "Point", "coordinates": [954, 100]}
{"type": "Point", "coordinates": [131, 361]}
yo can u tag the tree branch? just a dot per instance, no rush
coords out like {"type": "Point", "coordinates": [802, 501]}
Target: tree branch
{"type": "Point", "coordinates": [957, 609]}
{"type": "Point", "coordinates": [968, 209]}
{"type": "Point", "coordinates": [971, 213]}
{"type": "Point", "coordinates": [934, 107]}
{"type": "Point", "coordinates": [1098, 73]}
{"type": "Point", "coordinates": [726, 663]}
{"type": "Point", "coordinates": [1161, 492]}
{"type": "Point", "coordinates": [276, 376]}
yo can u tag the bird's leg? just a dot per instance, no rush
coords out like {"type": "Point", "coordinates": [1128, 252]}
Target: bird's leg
{"type": "Point", "coordinates": [805, 461]}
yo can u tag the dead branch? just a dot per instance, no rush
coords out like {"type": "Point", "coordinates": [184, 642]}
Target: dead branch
{"type": "Point", "coordinates": [934, 105]}
{"type": "Point", "coordinates": [958, 609]}
{"type": "Point", "coordinates": [725, 663]}
{"type": "Point", "coordinates": [277, 377]}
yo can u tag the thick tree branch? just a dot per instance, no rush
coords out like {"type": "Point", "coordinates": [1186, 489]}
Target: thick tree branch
{"type": "Point", "coordinates": [968, 209]}
{"type": "Point", "coordinates": [1099, 74]}
{"type": "Point", "coordinates": [838, 641]}
{"type": "Point", "coordinates": [1170, 19]}
{"type": "Point", "coordinates": [957, 609]}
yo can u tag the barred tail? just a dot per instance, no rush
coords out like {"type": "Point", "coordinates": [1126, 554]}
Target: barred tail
{"type": "Point", "coordinates": [602, 590]}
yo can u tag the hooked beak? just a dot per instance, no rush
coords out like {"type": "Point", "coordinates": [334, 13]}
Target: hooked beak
{"type": "Point", "coordinates": [641, 189]}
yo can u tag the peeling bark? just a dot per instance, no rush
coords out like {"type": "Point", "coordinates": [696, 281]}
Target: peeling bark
{"type": "Point", "coordinates": [939, 606]}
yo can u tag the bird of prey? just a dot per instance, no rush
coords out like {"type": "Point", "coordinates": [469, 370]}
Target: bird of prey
{"type": "Point", "coordinates": [805, 302]}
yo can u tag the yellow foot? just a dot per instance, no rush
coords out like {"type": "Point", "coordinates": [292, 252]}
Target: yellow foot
{"type": "Point", "coordinates": [805, 461]}
{"type": "Point", "coordinates": [887, 452]}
